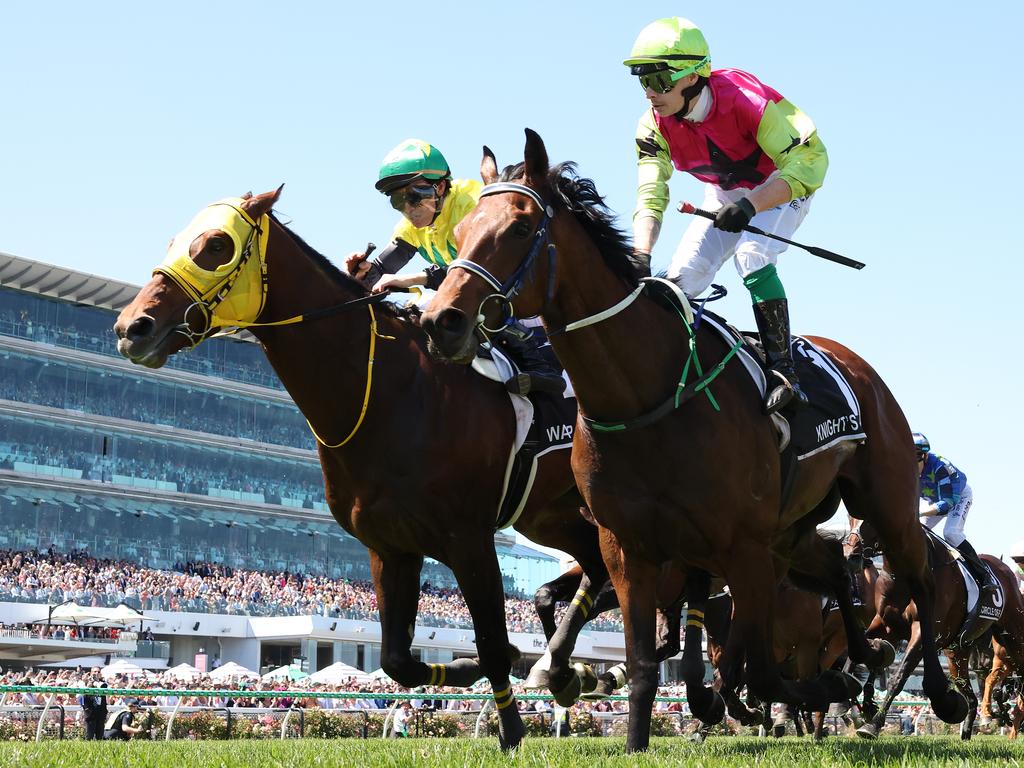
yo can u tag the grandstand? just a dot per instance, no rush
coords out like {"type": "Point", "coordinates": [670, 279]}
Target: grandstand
{"type": "Point", "coordinates": [193, 493]}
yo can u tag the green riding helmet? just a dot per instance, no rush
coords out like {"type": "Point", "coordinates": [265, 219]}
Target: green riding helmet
{"type": "Point", "coordinates": [674, 43]}
{"type": "Point", "coordinates": [412, 159]}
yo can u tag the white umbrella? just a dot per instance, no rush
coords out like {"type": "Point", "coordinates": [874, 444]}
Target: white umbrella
{"type": "Point", "coordinates": [183, 671]}
{"type": "Point", "coordinates": [229, 670]}
{"type": "Point", "coordinates": [288, 671]}
{"type": "Point", "coordinates": [122, 667]}
{"type": "Point", "coordinates": [338, 673]}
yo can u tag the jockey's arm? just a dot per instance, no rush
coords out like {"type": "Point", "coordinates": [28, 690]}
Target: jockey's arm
{"type": "Point", "coordinates": [789, 138]}
{"type": "Point", "coordinates": [654, 169]}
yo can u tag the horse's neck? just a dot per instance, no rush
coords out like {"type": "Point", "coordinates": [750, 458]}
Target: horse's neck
{"type": "Point", "coordinates": [324, 363]}
{"type": "Point", "coordinates": [614, 364]}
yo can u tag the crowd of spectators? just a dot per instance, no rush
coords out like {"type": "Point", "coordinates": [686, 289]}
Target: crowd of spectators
{"type": "Point", "coordinates": [85, 633]}
{"type": "Point", "coordinates": [160, 403]}
{"type": "Point", "coordinates": [52, 577]}
{"type": "Point", "coordinates": [221, 358]}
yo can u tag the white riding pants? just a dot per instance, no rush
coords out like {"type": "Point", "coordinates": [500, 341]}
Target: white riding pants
{"type": "Point", "coordinates": [704, 249]}
{"type": "Point", "coordinates": [953, 530]}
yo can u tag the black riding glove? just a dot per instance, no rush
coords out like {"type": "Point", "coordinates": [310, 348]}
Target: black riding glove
{"type": "Point", "coordinates": [735, 216]}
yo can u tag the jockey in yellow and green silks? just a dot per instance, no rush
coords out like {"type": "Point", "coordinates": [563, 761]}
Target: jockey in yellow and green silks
{"type": "Point", "coordinates": [418, 183]}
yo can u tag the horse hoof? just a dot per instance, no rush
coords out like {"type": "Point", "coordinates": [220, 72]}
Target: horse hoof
{"type": "Point", "coordinates": [868, 731]}
{"type": "Point", "coordinates": [588, 679]}
{"type": "Point", "coordinates": [568, 695]}
{"type": "Point", "coordinates": [965, 734]}
{"type": "Point", "coordinates": [716, 711]}
{"type": "Point", "coordinates": [886, 650]}
{"type": "Point", "coordinates": [952, 707]}
{"type": "Point", "coordinates": [778, 730]}
{"type": "Point", "coordinates": [697, 737]}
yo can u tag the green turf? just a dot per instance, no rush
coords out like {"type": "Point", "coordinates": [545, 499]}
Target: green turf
{"type": "Point", "coordinates": [724, 752]}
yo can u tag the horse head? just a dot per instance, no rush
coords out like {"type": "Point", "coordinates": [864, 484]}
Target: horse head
{"type": "Point", "coordinates": [506, 257]}
{"type": "Point", "coordinates": [212, 277]}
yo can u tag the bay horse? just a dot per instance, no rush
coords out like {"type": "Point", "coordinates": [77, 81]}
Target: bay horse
{"type": "Point", "coordinates": [413, 452]}
{"type": "Point", "coordinates": [950, 613]}
{"type": "Point", "coordinates": [694, 485]}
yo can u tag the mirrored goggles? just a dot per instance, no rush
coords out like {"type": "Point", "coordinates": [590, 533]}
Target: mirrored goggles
{"type": "Point", "coordinates": [661, 81]}
{"type": "Point", "coordinates": [410, 196]}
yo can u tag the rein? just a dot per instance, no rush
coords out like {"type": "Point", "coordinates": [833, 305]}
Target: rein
{"type": "Point", "coordinates": [504, 291]}
{"type": "Point", "coordinates": [182, 273]}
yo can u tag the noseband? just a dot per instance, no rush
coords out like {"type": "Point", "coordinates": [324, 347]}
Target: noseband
{"type": "Point", "coordinates": [505, 291]}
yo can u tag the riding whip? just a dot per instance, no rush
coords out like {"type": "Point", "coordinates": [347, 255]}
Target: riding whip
{"type": "Point", "coordinates": [821, 253]}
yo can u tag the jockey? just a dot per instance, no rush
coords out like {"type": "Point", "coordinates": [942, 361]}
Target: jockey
{"type": "Point", "coordinates": [418, 182]}
{"type": "Point", "coordinates": [760, 158]}
{"type": "Point", "coordinates": [945, 494]}
{"type": "Point", "coordinates": [1017, 555]}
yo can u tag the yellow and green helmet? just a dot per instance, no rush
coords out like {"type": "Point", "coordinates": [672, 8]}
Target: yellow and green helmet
{"type": "Point", "coordinates": [410, 160]}
{"type": "Point", "coordinates": [674, 43]}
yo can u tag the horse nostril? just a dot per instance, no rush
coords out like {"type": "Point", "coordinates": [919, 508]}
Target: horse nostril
{"type": "Point", "coordinates": [140, 328]}
{"type": "Point", "coordinates": [452, 322]}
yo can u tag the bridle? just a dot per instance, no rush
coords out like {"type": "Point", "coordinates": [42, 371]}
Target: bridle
{"type": "Point", "coordinates": [505, 291]}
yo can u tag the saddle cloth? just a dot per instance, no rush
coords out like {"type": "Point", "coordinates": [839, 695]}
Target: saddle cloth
{"type": "Point", "coordinates": [544, 423]}
{"type": "Point", "coordinates": [992, 608]}
{"type": "Point", "coordinates": [833, 414]}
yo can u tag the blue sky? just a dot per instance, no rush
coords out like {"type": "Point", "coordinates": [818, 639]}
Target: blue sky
{"type": "Point", "coordinates": [121, 120]}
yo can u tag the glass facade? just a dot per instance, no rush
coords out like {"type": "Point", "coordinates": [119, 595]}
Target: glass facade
{"type": "Point", "coordinates": [76, 479]}
{"type": "Point", "coordinates": [76, 386]}
{"type": "Point", "coordinates": [63, 324]}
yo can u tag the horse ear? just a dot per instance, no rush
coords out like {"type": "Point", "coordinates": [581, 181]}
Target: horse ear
{"type": "Point", "coordinates": [488, 166]}
{"type": "Point", "coordinates": [536, 158]}
{"type": "Point", "coordinates": [257, 205]}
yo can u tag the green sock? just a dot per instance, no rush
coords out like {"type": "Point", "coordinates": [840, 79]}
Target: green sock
{"type": "Point", "coordinates": [764, 285]}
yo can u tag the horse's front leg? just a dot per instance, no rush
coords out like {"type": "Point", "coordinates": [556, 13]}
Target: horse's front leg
{"type": "Point", "coordinates": [635, 583]}
{"type": "Point", "coordinates": [705, 702]}
{"type": "Point", "coordinates": [911, 658]}
{"type": "Point", "coordinates": [397, 582]}
{"type": "Point", "coordinates": [476, 569]}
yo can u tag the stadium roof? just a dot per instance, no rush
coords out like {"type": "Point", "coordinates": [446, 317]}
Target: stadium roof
{"type": "Point", "coordinates": [66, 284]}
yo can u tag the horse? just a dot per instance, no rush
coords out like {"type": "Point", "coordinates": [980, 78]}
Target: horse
{"type": "Point", "coordinates": [950, 614]}
{"type": "Point", "coordinates": [413, 452]}
{"type": "Point", "coordinates": [666, 475]}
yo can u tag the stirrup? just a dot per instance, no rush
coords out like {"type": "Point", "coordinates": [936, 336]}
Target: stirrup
{"type": "Point", "coordinates": [783, 394]}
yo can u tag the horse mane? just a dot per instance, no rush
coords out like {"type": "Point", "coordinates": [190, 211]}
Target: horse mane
{"type": "Point", "coordinates": [410, 313]}
{"type": "Point", "coordinates": [579, 196]}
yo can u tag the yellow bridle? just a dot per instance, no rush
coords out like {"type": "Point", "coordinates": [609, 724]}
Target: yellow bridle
{"type": "Point", "coordinates": [233, 295]}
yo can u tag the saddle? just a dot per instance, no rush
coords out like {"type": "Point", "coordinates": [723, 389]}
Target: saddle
{"type": "Point", "coordinates": [979, 613]}
{"type": "Point", "coordinates": [544, 422]}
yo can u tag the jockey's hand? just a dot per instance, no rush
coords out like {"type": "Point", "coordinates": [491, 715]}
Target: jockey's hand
{"type": "Point", "coordinates": [356, 264]}
{"type": "Point", "coordinates": [735, 216]}
{"type": "Point", "coordinates": [394, 283]}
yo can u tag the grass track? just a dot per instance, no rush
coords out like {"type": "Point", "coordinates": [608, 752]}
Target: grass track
{"type": "Point", "coordinates": [717, 752]}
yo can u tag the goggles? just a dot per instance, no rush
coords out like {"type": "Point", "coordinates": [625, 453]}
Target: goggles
{"type": "Point", "coordinates": [410, 196]}
{"type": "Point", "coordinates": [661, 81]}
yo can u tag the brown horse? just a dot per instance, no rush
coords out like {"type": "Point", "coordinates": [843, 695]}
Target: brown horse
{"type": "Point", "coordinates": [692, 485]}
{"type": "Point", "coordinates": [950, 614]}
{"type": "Point", "coordinates": [413, 452]}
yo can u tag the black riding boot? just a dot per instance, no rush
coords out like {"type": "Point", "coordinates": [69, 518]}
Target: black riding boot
{"type": "Point", "coordinates": [536, 373]}
{"type": "Point", "coordinates": [977, 567]}
{"type": "Point", "coordinates": [772, 318]}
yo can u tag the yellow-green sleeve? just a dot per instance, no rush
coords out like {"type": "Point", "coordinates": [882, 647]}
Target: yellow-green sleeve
{"type": "Point", "coordinates": [789, 138]}
{"type": "Point", "coordinates": [654, 169]}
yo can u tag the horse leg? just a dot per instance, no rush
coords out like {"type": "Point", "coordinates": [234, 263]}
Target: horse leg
{"type": "Point", "coordinates": [705, 703]}
{"type": "Point", "coordinates": [890, 508]}
{"type": "Point", "coordinates": [993, 680]}
{"type": "Point", "coordinates": [549, 595]}
{"type": "Point", "coordinates": [635, 582]}
{"type": "Point", "coordinates": [957, 663]}
{"type": "Point", "coordinates": [476, 570]}
{"type": "Point", "coordinates": [911, 658]}
{"type": "Point", "coordinates": [396, 579]}
{"type": "Point", "coordinates": [819, 566]}
{"type": "Point", "coordinates": [751, 579]}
